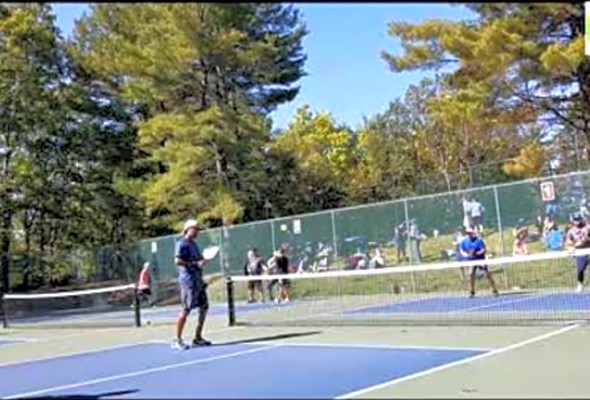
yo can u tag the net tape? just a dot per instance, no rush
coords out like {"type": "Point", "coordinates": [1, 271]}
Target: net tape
{"type": "Point", "coordinates": [490, 262]}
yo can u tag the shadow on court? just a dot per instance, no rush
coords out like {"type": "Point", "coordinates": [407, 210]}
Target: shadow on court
{"type": "Point", "coordinates": [82, 396]}
{"type": "Point", "coordinates": [268, 338]}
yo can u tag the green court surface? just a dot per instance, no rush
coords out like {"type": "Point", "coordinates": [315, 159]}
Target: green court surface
{"type": "Point", "coordinates": [514, 361]}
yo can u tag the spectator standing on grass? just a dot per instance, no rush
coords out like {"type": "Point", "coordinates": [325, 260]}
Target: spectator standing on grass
{"type": "Point", "coordinates": [144, 282]}
{"type": "Point", "coordinates": [415, 240]}
{"type": "Point", "coordinates": [193, 289]}
{"type": "Point", "coordinates": [477, 213]}
{"type": "Point", "coordinates": [578, 238]}
{"type": "Point", "coordinates": [254, 266]}
{"type": "Point", "coordinates": [466, 203]}
{"type": "Point", "coordinates": [399, 240]}
{"type": "Point", "coordinates": [474, 248]}
{"type": "Point", "coordinates": [281, 261]}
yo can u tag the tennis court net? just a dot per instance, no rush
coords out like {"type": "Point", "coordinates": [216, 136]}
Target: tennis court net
{"type": "Point", "coordinates": [533, 289]}
{"type": "Point", "coordinates": [104, 307]}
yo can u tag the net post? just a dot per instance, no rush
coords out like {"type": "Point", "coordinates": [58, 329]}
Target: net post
{"type": "Point", "coordinates": [231, 311]}
{"type": "Point", "coordinates": [3, 311]}
{"type": "Point", "coordinates": [136, 308]}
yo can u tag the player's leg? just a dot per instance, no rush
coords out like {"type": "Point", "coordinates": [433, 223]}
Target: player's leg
{"type": "Point", "coordinates": [270, 287]}
{"type": "Point", "coordinates": [260, 289]}
{"type": "Point", "coordinates": [472, 277]}
{"type": "Point", "coordinates": [203, 304]}
{"type": "Point", "coordinates": [581, 264]}
{"type": "Point", "coordinates": [186, 301]}
{"type": "Point", "coordinates": [251, 291]}
{"type": "Point", "coordinates": [286, 285]}
{"type": "Point", "coordinates": [491, 280]}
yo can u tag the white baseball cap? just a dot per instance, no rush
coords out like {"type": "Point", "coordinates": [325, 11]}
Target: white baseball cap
{"type": "Point", "coordinates": [469, 230]}
{"type": "Point", "coordinates": [191, 223]}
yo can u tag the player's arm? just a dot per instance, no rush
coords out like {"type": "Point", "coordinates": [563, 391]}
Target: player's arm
{"type": "Point", "coordinates": [481, 250]}
{"type": "Point", "coordinates": [463, 251]}
{"type": "Point", "coordinates": [569, 240]}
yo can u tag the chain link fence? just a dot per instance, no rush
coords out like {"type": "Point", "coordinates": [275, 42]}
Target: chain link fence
{"type": "Point", "coordinates": [414, 230]}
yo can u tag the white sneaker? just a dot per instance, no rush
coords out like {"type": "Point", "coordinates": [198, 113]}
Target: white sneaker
{"type": "Point", "coordinates": [286, 300]}
{"type": "Point", "coordinates": [579, 288]}
{"type": "Point", "coordinates": [178, 344]}
{"type": "Point", "coordinates": [278, 301]}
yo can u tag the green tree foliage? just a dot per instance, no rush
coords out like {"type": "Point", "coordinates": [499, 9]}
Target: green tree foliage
{"type": "Point", "coordinates": [206, 75]}
{"type": "Point", "coordinates": [529, 56]}
{"type": "Point", "coordinates": [324, 153]}
{"type": "Point", "coordinates": [62, 141]}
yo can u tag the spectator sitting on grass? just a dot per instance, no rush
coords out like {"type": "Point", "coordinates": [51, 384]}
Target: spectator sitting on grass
{"type": "Point", "coordinates": [519, 246]}
{"type": "Point", "coordinates": [548, 225]}
{"type": "Point", "coordinates": [554, 239]}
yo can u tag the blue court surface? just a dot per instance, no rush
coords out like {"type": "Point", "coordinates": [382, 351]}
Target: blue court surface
{"type": "Point", "coordinates": [533, 302]}
{"type": "Point", "coordinates": [261, 370]}
{"type": "Point", "coordinates": [159, 313]}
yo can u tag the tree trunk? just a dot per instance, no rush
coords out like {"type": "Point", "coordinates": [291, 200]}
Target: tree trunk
{"type": "Point", "coordinates": [5, 248]}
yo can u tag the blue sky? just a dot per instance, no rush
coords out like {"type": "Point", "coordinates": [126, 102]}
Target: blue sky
{"type": "Point", "coordinates": [346, 75]}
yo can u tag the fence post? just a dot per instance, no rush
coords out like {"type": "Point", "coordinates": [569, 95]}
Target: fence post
{"type": "Point", "coordinates": [335, 244]}
{"type": "Point", "coordinates": [501, 232]}
{"type": "Point", "coordinates": [334, 238]}
{"type": "Point", "coordinates": [272, 235]}
{"type": "Point", "coordinates": [408, 241]}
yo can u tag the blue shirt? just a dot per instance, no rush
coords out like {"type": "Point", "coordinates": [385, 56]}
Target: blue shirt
{"type": "Point", "coordinates": [188, 251]}
{"type": "Point", "coordinates": [554, 240]}
{"type": "Point", "coordinates": [468, 246]}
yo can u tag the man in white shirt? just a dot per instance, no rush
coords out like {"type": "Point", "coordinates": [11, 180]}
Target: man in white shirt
{"type": "Point", "coordinates": [477, 211]}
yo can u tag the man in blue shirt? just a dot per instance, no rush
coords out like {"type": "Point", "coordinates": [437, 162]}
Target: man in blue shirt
{"type": "Point", "coordinates": [193, 290]}
{"type": "Point", "coordinates": [474, 248]}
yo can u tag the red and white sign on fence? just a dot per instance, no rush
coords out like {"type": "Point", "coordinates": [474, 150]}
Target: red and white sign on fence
{"type": "Point", "coordinates": [547, 191]}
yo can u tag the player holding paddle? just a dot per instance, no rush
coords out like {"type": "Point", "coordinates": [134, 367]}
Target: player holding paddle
{"type": "Point", "coordinates": [578, 237]}
{"type": "Point", "coordinates": [474, 248]}
{"type": "Point", "coordinates": [193, 289]}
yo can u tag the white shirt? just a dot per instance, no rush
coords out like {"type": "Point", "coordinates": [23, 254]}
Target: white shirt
{"type": "Point", "coordinates": [476, 209]}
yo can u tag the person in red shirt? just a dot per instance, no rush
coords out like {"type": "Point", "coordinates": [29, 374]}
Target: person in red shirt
{"type": "Point", "coordinates": [143, 282]}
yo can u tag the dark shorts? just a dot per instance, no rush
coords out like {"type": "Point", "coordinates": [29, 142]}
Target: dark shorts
{"type": "Point", "coordinates": [477, 220]}
{"type": "Point", "coordinates": [253, 285]}
{"type": "Point", "coordinates": [482, 268]}
{"type": "Point", "coordinates": [582, 262]}
{"type": "Point", "coordinates": [285, 282]}
{"type": "Point", "coordinates": [193, 294]}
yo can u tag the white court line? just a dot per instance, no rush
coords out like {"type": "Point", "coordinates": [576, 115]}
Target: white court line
{"type": "Point", "coordinates": [459, 362]}
{"type": "Point", "coordinates": [376, 346]}
{"type": "Point", "coordinates": [141, 372]}
{"type": "Point", "coordinates": [115, 347]}
{"type": "Point", "coordinates": [499, 303]}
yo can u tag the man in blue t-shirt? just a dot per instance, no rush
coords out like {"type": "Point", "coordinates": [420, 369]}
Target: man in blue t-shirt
{"type": "Point", "coordinates": [474, 248]}
{"type": "Point", "coordinates": [193, 289]}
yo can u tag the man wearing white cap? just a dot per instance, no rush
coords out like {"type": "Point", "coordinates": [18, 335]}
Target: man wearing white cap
{"type": "Point", "coordinates": [193, 290]}
{"type": "Point", "coordinates": [474, 248]}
